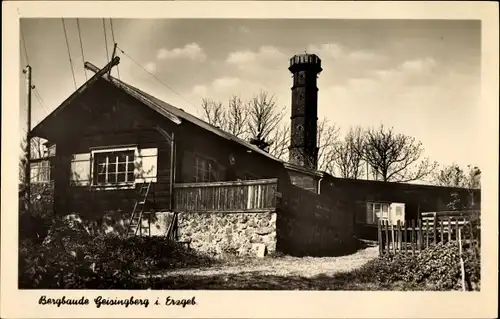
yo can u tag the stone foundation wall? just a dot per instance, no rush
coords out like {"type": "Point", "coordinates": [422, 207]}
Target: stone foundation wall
{"type": "Point", "coordinates": [229, 233]}
{"type": "Point", "coordinates": [217, 234]}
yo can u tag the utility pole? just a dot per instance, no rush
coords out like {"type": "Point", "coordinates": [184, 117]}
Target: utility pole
{"type": "Point", "coordinates": [113, 56]}
{"type": "Point", "coordinates": [27, 174]}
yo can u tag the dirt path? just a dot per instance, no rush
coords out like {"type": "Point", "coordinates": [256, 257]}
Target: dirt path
{"type": "Point", "coordinates": [305, 267]}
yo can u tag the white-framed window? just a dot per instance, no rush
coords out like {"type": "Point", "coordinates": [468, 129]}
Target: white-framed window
{"type": "Point", "coordinates": [376, 211]}
{"type": "Point", "coordinates": [40, 171]}
{"type": "Point", "coordinates": [205, 170]}
{"type": "Point", "coordinates": [113, 167]}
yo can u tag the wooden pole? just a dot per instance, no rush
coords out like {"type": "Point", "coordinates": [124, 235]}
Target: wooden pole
{"type": "Point", "coordinates": [405, 237]}
{"type": "Point", "coordinates": [400, 244]}
{"type": "Point", "coordinates": [419, 235]}
{"type": "Point", "coordinates": [27, 174]}
{"type": "Point", "coordinates": [413, 237]}
{"type": "Point", "coordinates": [426, 233]}
{"type": "Point", "coordinates": [435, 229]}
{"type": "Point", "coordinates": [380, 244]}
{"type": "Point", "coordinates": [462, 267]}
{"type": "Point", "coordinates": [386, 229]}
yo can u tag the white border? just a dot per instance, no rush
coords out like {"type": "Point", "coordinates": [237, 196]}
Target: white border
{"type": "Point", "coordinates": [224, 304]}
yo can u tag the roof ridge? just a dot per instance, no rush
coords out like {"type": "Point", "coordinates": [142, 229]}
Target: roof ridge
{"type": "Point", "coordinates": [189, 117]}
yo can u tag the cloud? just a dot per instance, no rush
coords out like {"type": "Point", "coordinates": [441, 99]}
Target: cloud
{"type": "Point", "coordinates": [422, 66]}
{"type": "Point", "coordinates": [364, 55]}
{"type": "Point", "coordinates": [266, 54]}
{"type": "Point", "coordinates": [190, 51]}
{"type": "Point", "coordinates": [326, 50]}
{"type": "Point", "coordinates": [225, 83]}
{"type": "Point", "coordinates": [151, 67]}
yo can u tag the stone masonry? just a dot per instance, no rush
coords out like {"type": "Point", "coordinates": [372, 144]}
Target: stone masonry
{"type": "Point", "coordinates": [228, 233]}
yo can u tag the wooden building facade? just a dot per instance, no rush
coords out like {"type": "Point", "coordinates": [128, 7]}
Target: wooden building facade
{"type": "Point", "coordinates": [111, 138]}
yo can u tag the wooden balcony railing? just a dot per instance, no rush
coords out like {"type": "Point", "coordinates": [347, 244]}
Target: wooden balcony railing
{"type": "Point", "coordinates": [230, 197]}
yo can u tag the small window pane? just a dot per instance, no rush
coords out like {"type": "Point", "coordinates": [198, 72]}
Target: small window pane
{"type": "Point", "coordinates": [121, 167]}
{"type": "Point", "coordinates": [130, 177]}
{"type": "Point", "coordinates": [120, 177]}
{"type": "Point", "coordinates": [101, 178]}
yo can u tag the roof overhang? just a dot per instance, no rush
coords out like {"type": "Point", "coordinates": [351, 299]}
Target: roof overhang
{"type": "Point", "coordinates": [43, 130]}
{"type": "Point", "coordinates": [303, 170]}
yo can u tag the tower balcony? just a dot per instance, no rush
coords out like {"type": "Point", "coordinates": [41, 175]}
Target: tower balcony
{"type": "Point", "coordinates": [305, 61]}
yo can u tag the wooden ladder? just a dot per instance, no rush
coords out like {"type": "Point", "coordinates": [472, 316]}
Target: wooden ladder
{"type": "Point", "coordinates": [135, 223]}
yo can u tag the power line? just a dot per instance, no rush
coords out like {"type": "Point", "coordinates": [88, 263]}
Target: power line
{"type": "Point", "coordinates": [113, 36]}
{"type": "Point", "coordinates": [81, 47]}
{"type": "Point", "coordinates": [69, 53]}
{"type": "Point", "coordinates": [157, 79]}
{"type": "Point", "coordinates": [24, 44]}
{"type": "Point", "coordinates": [37, 94]}
{"type": "Point", "coordinates": [39, 98]}
{"type": "Point", "coordinates": [105, 37]}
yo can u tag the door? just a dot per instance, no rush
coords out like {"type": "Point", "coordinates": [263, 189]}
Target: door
{"type": "Point", "coordinates": [396, 213]}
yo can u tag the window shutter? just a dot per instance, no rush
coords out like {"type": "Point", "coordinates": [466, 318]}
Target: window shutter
{"type": "Point", "coordinates": [370, 213]}
{"type": "Point", "coordinates": [80, 169]}
{"type": "Point", "coordinates": [146, 165]}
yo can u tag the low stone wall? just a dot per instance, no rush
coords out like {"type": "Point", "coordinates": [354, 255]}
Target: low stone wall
{"type": "Point", "coordinates": [228, 233]}
{"type": "Point", "coordinates": [217, 234]}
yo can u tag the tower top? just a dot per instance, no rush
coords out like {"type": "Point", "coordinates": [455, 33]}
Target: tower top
{"type": "Point", "coordinates": [305, 61]}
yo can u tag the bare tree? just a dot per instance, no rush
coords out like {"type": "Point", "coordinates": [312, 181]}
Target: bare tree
{"type": "Point", "coordinates": [38, 150]}
{"type": "Point", "coordinates": [237, 115]}
{"type": "Point", "coordinates": [280, 141]}
{"type": "Point", "coordinates": [346, 157]}
{"type": "Point", "coordinates": [264, 119]}
{"type": "Point", "coordinates": [214, 113]}
{"type": "Point", "coordinates": [327, 137]}
{"type": "Point", "coordinates": [454, 176]}
{"type": "Point", "coordinates": [469, 180]}
{"type": "Point", "coordinates": [394, 157]}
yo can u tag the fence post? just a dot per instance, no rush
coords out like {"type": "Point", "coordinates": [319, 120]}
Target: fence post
{"type": "Point", "coordinates": [405, 237]}
{"type": "Point", "coordinates": [380, 244]}
{"type": "Point", "coordinates": [413, 237]}
{"type": "Point", "coordinates": [449, 229]}
{"type": "Point", "coordinates": [426, 233]}
{"type": "Point", "coordinates": [462, 267]}
{"type": "Point", "coordinates": [387, 235]}
{"type": "Point", "coordinates": [457, 228]}
{"type": "Point", "coordinates": [441, 236]}
{"type": "Point", "coordinates": [393, 239]}
{"type": "Point", "coordinates": [400, 245]}
{"type": "Point", "coordinates": [419, 235]}
{"type": "Point", "coordinates": [435, 229]}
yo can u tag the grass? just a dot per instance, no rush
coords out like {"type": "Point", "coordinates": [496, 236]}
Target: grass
{"type": "Point", "coordinates": [275, 273]}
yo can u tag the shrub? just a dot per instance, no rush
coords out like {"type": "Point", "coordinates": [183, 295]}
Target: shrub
{"type": "Point", "coordinates": [71, 258]}
{"type": "Point", "coordinates": [437, 267]}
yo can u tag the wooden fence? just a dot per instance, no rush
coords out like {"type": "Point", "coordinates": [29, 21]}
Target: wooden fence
{"type": "Point", "coordinates": [412, 236]}
{"type": "Point", "coordinates": [240, 196]}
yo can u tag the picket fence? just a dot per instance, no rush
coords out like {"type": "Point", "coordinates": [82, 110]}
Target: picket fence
{"type": "Point", "coordinates": [412, 236]}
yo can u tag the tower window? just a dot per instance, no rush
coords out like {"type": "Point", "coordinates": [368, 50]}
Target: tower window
{"type": "Point", "coordinates": [301, 96]}
{"type": "Point", "coordinates": [300, 127]}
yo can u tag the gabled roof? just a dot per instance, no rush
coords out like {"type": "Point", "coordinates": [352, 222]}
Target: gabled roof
{"type": "Point", "coordinates": [167, 110]}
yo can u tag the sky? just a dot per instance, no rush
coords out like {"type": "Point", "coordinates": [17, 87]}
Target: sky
{"type": "Point", "coordinates": [421, 77]}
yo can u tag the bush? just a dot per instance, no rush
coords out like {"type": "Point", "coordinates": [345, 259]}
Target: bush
{"type": "Point", "coordinates": [437, 267]}
{"type": "Point", "coordinates": [70, 258]}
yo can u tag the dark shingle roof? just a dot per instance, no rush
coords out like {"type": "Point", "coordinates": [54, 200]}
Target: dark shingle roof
{"type": "Point", "coordinates": [173, 113]}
